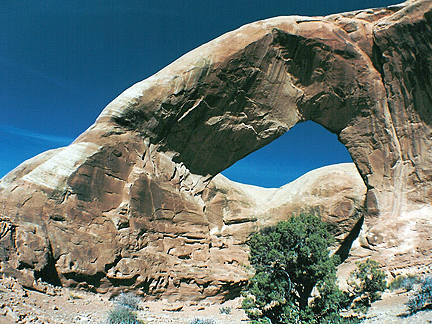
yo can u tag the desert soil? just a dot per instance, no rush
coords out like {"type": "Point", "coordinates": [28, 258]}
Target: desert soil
{"type": "Point", "coordinates": [69, 306]}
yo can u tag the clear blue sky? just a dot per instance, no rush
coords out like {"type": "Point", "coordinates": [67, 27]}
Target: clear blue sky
{"type": "Point", "coordinates": [62, 62]}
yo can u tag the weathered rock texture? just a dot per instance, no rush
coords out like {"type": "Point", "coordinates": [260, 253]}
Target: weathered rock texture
{"type": "Point", "coordinates": [136, 200]}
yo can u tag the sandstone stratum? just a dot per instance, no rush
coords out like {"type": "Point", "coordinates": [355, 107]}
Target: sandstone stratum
{"type": "Point", "coordinates": [137, 201]}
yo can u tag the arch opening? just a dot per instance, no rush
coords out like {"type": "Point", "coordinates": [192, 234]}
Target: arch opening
{"type": "Point", "coordinates": [305, 147]}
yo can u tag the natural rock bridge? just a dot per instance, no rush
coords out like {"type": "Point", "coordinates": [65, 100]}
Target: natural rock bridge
{"type": "Point", "coordinates": [134, 201]}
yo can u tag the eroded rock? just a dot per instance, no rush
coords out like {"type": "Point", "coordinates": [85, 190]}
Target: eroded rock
{"type": "Point", "coordinates": [136, 201]}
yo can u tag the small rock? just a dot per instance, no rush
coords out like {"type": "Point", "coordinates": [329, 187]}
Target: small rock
{"type": "Point", "coordinates": [82, 319]}
{"type": "Point", "coordinates": [173, 308]}
{"type": "Point", "coordinates": [55, 307]}
{"type": "Point", "coordinates": [50, 291]}
{"type": "Point", "coordinates": [12, 314]}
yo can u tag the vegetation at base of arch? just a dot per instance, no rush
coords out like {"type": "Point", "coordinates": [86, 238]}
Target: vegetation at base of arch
{"type": "Point", "coordinates": [422, 297]}
{"type": "Point", "coordinates": [366, 283]}
{"type": "Point", "coordinates": [295, 276]}
{"type": "Point", "coordinates": [420, 288]}
{"type": "Point", "coordinates": [124, 311]}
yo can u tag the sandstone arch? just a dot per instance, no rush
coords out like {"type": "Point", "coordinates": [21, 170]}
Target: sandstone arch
{"type": "Point", "coordinates": [346, 73]}
{"type": "Point", "coordinates": [134, 200]}
{"type": "Point", "coordinates": [305, 147]}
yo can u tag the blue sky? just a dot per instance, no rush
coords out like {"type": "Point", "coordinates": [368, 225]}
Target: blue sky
{"type": "Point", "coordinates": [62, 62]}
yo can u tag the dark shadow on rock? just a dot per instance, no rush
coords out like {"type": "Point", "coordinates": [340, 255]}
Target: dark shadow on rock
{"type": "Point", "coordinates": [346, 245]}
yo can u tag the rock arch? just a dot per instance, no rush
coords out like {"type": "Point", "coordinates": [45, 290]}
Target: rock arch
{"type": "Point", "coordinates": [305, 147]}
{"type": "Point", "coordinates": [135, 200]}
{"type": "Point", "coordinates": [354, 74]}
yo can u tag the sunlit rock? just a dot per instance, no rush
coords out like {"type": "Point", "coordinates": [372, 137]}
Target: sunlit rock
{"type": "Point", "coordinates": [136, 201]}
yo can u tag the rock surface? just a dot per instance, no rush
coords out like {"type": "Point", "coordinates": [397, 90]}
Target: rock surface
{"type": "Point", "coordinates": [136, 201]}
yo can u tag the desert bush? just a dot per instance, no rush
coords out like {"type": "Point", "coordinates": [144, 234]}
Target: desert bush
{"type": "Point", "coordinates": [264, 320]}
{"type": "Point", "coordinates": [203, 321]}
{"type": "Point", "coordinates": [366, 282]}
{"type": "Point", "coordinates": [290, 260]}
{"type": "Point", "coordinates": [225, 310]}
{"type": "Point", "coordinates": [422, 298]}
{"type": "Point", "coordinates": [129, 300]}
{"type": "Point", "coordinates": [405, 282]}
{"type": "Point", "coordinates": [122, 315]}
{"type": "Point", "coordinates": [124, 309]}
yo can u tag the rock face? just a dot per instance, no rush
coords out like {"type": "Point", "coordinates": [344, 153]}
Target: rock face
{"type": "Point", "coordinates": [136, 201]}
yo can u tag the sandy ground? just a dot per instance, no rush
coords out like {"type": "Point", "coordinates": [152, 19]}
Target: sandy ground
{"type": "Point", "coordinates": [67, 306]}
{"type": "Point", "coordinates": [391, 310]}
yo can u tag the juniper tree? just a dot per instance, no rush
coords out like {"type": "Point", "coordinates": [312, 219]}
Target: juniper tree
{"type": "Point", "coordinates": [291, 259]}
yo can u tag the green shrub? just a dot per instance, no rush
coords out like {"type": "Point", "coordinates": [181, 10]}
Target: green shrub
{"type": "Point", "coordinates": [264, 320]}
{"type": "Point", "coordinates": [405, 282]}
{"type": "Point", "coordinates": [129, 300]}
{"type": "Point", "coordinates": [203, 321]}
{"type": "Point", "coordinates": [291, 259]}
{"type": "Point", "coordinates": [225, 310]}
{"type": "Point", "coordinates": [122, 315]}
{"type": "Point", "coordinates": [422, 298]}
{"type": "Point", "coordinates": [366, 282]}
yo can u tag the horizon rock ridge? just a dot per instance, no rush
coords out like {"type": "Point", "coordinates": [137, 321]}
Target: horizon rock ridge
{"type": "Point", "coordinates": [137, 202]}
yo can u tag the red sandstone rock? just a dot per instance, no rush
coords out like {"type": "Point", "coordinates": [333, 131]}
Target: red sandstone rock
{"type": "Point", "coordinates": [136, 201]}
